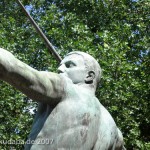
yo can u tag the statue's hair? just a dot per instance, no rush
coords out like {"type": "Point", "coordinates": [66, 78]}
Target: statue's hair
{"type": "Point", "coordinates": [91, 65]}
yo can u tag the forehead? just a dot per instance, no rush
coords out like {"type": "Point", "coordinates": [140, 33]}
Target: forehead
{"type": "Point", "coordinates": [78, 59]}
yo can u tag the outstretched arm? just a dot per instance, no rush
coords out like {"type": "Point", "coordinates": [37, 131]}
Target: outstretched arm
{"type": "Point", "coordinates": [38, 85]}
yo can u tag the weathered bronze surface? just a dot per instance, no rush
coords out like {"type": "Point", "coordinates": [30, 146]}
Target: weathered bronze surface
{"type": "Point", "coordinates": [69, 115]}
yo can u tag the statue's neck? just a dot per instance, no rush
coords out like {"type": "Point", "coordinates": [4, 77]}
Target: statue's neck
{"type": "Point", "coordinates": [88, 87]}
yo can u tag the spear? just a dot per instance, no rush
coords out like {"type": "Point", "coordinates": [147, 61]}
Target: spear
{"type": "Point", "coordinates": [47, 42]}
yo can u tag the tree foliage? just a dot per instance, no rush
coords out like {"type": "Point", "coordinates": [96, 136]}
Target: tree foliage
{"type": "Point", "coordinates": [115, 32]}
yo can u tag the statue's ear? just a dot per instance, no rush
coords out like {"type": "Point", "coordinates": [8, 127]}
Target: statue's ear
{"type": "Point", "coordinates": [90, 77]}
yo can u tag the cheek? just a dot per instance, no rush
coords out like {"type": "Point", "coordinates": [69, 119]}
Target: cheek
{"type": "Point", "coordinates": [72, 73]}
{"type": "Point", "coordinates": [77, 73]}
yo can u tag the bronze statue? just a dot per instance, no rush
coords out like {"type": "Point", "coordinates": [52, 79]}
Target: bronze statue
{"type": "Point", "coordinates": [69, 114]}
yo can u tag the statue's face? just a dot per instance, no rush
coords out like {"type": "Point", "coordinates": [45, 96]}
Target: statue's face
{"type": "Point", "coordinates": [73, 67]}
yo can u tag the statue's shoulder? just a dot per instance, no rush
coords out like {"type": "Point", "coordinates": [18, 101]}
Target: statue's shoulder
{"type": "Point", "coordinates": [106, 116]}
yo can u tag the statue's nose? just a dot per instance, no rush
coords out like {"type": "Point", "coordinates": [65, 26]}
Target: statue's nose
{"type": "Point", "coordinates": [61, 69]}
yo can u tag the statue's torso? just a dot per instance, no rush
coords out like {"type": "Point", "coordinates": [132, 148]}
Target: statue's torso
{"type": "Point", "coordinates": [69, 125]}
{"type": "Point", "coordinates": [75, 123]}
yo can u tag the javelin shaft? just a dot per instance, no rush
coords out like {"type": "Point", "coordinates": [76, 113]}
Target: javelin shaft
{"type": "Point", "coordinates": [47, 42]}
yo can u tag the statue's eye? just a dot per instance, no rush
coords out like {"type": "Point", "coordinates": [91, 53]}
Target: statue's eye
{"type": "Point", "coordinates": [70, 64]}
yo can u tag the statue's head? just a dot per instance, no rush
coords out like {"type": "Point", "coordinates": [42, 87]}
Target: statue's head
{"type": "Point", "coordinates": [81, 68]}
